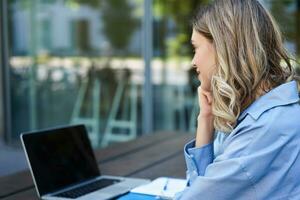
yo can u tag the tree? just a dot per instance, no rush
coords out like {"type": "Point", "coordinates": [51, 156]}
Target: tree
{"type": "Point", "coordinates": [118, 24]}
{"type": "Point", "coordinates": [180, 12]}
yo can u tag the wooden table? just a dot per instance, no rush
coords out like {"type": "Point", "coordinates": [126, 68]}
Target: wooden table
{"type": "Point", "coordinates": [160, 154]}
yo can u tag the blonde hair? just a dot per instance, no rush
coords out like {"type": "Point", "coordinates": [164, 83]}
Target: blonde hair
{"type": "Point", "coordinates": [250, 55]}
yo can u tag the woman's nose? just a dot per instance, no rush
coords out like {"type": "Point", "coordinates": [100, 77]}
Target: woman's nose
{"type": "Point", "coordinates": [193, 65]}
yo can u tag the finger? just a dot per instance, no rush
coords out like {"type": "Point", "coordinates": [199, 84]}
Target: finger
{"type": "Point", "coordinates": [205, 94]}
{"type": "Point", "coordinates": [209, 97]}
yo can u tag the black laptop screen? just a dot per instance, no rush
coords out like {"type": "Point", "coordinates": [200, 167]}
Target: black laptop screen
{"type": "Point", "coordinates": [60, 157]}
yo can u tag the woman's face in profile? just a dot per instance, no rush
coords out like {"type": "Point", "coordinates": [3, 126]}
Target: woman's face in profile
{"type": "Point", "coordinates": [204, 59]}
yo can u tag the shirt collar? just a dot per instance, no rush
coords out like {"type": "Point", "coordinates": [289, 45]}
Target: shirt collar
{"type": "Point", "coordinates": [284, 94]}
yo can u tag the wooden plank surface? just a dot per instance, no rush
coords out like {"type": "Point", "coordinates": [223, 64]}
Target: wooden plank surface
{"type": "Point", "coordinates": [172, 167]}
{"type": "Point", "coordinates": [120, 149]}
{"type": "Point", "coordinates": [140, 160]}
{"type": "Point", "coordinates": [20, 181]}
{"type": "Point", "coordinates": [147, 157]}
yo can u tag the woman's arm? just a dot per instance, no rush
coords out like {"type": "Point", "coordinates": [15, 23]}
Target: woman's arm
{"type": "Point", "coordinates": [225, 176]}
{"type": "Point", "coordinates": [205, 127]}
{"type": "Point", "coordinates": [199, 153]}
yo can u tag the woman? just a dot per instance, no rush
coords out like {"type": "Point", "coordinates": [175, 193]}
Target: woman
{"type": "Point", "coordinates": [247, 144]}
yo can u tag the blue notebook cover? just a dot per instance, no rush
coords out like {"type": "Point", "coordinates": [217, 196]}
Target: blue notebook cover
{"type": "Point", "coordinates": [134, 196]}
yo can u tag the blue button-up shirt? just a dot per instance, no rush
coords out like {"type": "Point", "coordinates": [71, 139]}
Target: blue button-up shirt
{"type": "Point", "coordinates": [259, 159]}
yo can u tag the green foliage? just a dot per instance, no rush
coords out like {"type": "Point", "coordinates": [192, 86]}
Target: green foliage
{"type": "Point", "coordinates": [285, 17]}
{"type": "Point", "coordinates": [180, 13]}
{"type": "Point", "coordinates": [91, 3]}
{"type": "Point", "coordinates": [118, 23]}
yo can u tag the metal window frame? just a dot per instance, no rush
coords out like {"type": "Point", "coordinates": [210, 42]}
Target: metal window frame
{"type": "Point", "coordinates": [5, 102]}
{"type": "Point", "coordinates": [147, 108]}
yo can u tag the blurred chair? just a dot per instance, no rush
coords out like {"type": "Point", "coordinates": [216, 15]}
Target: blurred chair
{"type": "Point", "coordinates": [126, 127]}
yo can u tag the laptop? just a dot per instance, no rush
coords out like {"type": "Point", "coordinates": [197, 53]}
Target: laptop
{"type": "Point", "coordinates": [63, 166]}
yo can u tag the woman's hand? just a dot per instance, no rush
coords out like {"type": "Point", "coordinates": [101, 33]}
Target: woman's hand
{"type": "Point", "coordinates": [205, 127]}
{"type": "Point", "coordinates": [205, 103]}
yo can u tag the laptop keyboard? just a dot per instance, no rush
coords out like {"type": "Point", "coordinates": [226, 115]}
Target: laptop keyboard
{"type": "Point", "coordinates": [88, 188]}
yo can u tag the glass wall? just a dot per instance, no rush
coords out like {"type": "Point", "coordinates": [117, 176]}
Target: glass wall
{"type": "Point", "coordinates": [74, 61]}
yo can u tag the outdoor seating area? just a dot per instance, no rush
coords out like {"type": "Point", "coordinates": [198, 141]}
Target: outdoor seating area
{"type": "Point", "coordinates": [127, 71]}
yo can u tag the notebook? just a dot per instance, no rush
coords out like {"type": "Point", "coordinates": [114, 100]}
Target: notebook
{"type": "Point", "coordinates": [164, 187]}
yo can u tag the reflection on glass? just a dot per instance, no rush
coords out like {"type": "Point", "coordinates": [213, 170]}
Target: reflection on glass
{"type": "Point", "coordinates": [175, 83]}
{"type": "Point", "coordinates": [77, 61]}
{"type": "Point", "coordinates": [69, 64]}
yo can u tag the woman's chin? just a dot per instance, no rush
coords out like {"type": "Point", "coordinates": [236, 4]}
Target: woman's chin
{"type": "Point", "coordinates": [200, 79]}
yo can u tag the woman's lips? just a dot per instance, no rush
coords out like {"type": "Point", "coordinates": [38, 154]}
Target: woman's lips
{"type": "Point", "coordinates": [198, 74]}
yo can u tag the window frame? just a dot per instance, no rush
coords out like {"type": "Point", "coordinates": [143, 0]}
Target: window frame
{"type": "Point", "coordinates": [5, 98]}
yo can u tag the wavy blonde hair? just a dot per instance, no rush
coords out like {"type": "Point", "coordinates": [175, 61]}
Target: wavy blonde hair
{"type": "Point", "coordinates": [250, 56]}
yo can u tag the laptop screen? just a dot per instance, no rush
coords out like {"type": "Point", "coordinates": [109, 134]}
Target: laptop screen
{"type": "Point", "coordinates": [60, 157]}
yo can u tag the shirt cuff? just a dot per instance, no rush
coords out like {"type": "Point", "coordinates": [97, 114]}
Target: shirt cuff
{"type": "Point", "coordinates": [197, 158]}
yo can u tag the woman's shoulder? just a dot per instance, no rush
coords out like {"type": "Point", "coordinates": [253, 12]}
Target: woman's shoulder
{"type": "Point", "coordinates": [251, 134]}
{"type": "Point", "coordinates": [277, 110]}
{"type": "Point", "coordinates": [280, 120]}
{"type": "Point", "coordinates": [271, 118]}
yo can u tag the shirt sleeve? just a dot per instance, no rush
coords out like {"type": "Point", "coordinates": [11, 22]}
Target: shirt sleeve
{"type": "Point", "coordinates": [197, 159]}
{"type": "Point", "coordinates": [220, 177]}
